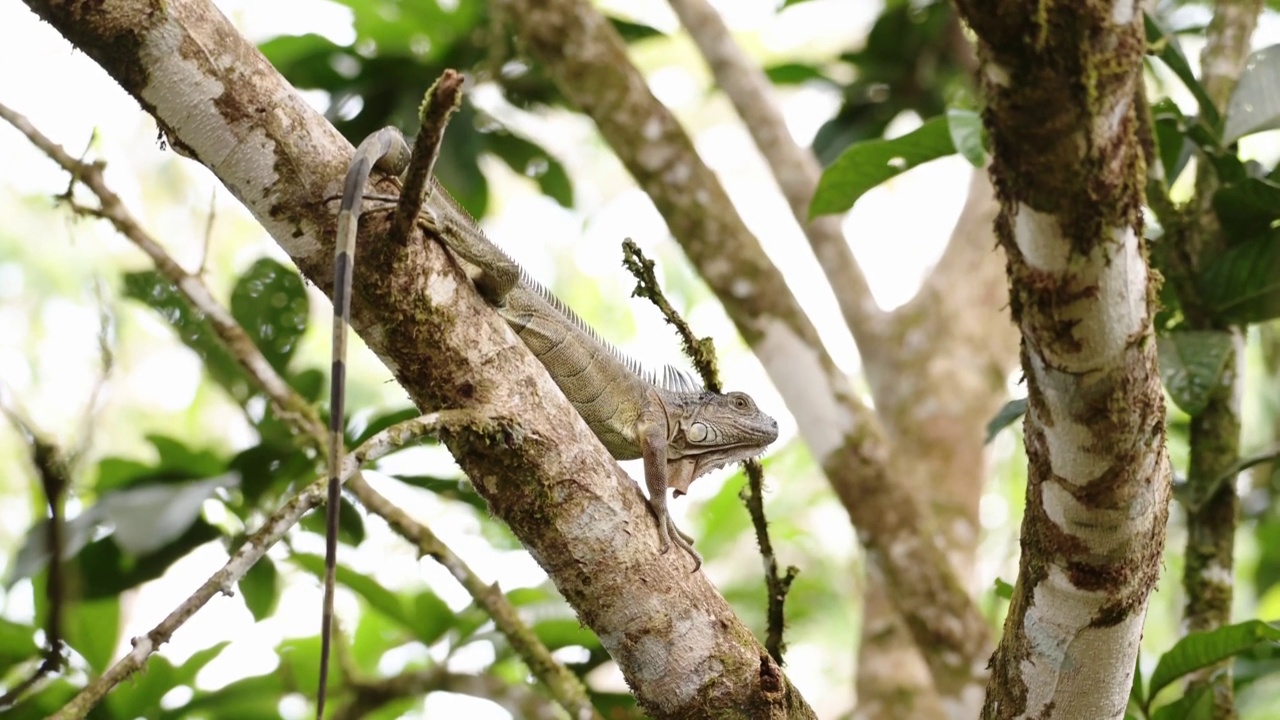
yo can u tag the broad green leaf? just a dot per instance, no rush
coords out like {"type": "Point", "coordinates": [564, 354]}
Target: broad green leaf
{"type": "Point", "coordinates": [270, 303]}
{"type": "Point", "coordinates": [1003, 589]}
{"type": "Point", "coordinates": [1202, 649]}
{"type": "Point", "coordinates": [452, 488]}
{"type": "Point", "coordinates": [379, 598]}
{"type": "Point", "coordinates": [1195, 705]}
{"type": "Point", "coordinates": [17, 644]}
{"type": "Point", "coordinates": [559, 633]}
{"type": "Point", "coordinates": [432, 616]}
{"type": "Point", "coordinates": [795, 73]}
{"type": "Point", "coordinates": [46, 701]}
{"type": "Point", "coordinates": [33, 556]}
{"type": "Point", "coordinates": [1242, 285]}
{"type": "Point", "coordinates": [1191, 363]}
{"type": "Point", "coordinates": [178, 459]}
{"type": "Point", "coordinates": [148, 517]}
{"type": "Point", "coordinates": [532, 161]}
{"type": "Point", "coordinates": [309, 383]}
{"type": "Point", "coordinates": [350, 522]}
{"type": "Point", "coordinates": [105, 571]}
{"type": "Point", "coordinates": [1255, 102]}
{"type": "Point", "coordinates": [141, 696]}
{"type": "Point", "coordinates": [260, 587]}
{"type": "Point", "coordinates": [92, 627]}
{"type": "Point", "coordinates": [1007, 415]}
{"type": "Point", "coordinates": [271, 466]}
{"type": "Point", "coordinates": [864, 165]}
{"type": "Point", "coordinates": [374, 636]}
{"type": "Point", "coordinates": [1247, 209]}
{"type": "Point", "coordinates": [968, 135]}
{"type": "Point", "coordinates": [1164, 45]}
{"type": "Point", "coordinates": [1175, 148]}
{"type": "Point", "coordinates": [384, 421]}
{"type": "Point", "coordinates": [300, 660]}
{"type": "Point", "coordinates": [1259, 662]}
{"type": "Point", "coordinates": [633, 31]}
{"type": "Point", "coordinates": [192, 328]}
{"type": "Point", "coordinates": [185, 674]}
{"type": "Point", "coordinates": [253, 698]}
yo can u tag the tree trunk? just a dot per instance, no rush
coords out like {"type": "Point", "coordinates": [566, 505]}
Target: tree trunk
{"type": "Point", "coordinates": [1060, 83]}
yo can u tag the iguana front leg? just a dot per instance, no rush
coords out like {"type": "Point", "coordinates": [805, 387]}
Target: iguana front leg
{"type": "Point", "coordinates": [653, 450]}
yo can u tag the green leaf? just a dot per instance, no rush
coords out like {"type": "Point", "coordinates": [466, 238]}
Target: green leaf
{"type": "Point", "coordinates": [105, 571]}
{"type": "Point", "coordinates": [350, 522]}
{"type": "Point", "coordinates": [149, 517]}
{"type": "Point", "coordinates": [795, 73]}
{"type": "Point", "coordinates": [864, 165]}
{"type": "Point", "coordinates": [253, 698]}
{"type": "Point", "coordinates": [559, 633]}
{"type": "Point", "coordinates": [532, 161]}
{"type": "Point", "coordinates": [1191, 363]}
{"type": "Point", "coordinates": [633, 31]}
{"type": "Point", "coordinates": [1003, 589]}
{"type": "Point", "coordinates": [1164, 45]}
{"type": "Point", "coordinates": [452, 488]}
{"type": "Point", "coordinates": [1011, 411]}
{"type": "Point", "coordinates": [270, 303]}
{"type": "Point", "coordinates": [1171, 136]}
{"type": "Point", "coordinates": [1255, 102]}
{"type": "Point", "coordinates": [1195, 705]}
{"type": "Point", "coordinates": [186, 673]}
{"type": "Point", "coordinates": [378, 597]}
{"type": "Point", "coordinates": [193, 330]}
{"type": "Point", "coordinates": [93, 629]}
{"type": "Point", "coordinates": [17, 644]}
{"type": "Point", "coordinates": [384, 421]}
{"type": "Point", "coordinates": [309, 383]}
{"type": "Point", "coordinates": [432, 615]}
{"type": "Point", "coordinates": [1247, 209]}
{"type": "Point", "coordinates": [45, 702]}
{"type": "Point", "coordinates": [141, 696]}
{"type": "Point", "coordinates": [968, 135]}
{"type": "Point", "coordinates": [1242, 285]}
{"type": "Point", "coordinates": [1202, 649]}
{"type": "Point", "coordinates": [375, 635]}
{"type": "Point", "coordinates": [260, 587]}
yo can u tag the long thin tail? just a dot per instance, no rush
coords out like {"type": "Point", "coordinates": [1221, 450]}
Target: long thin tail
{"type": "Point", "coordinates": [387, 144]}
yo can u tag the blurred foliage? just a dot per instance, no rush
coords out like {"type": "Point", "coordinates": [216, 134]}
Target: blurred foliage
{"type": "Point", "coordinates": [914, 62]}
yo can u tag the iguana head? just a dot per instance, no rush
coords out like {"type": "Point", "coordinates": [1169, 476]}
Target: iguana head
{"type": "Point", "coordinates": [713, 431]}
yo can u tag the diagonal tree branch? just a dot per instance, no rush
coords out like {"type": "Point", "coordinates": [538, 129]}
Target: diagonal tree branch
{"type": "Point", "coordinates": [795, 168]}
{"type": "Point", "coordinates": [563, 685]}
{"type": "Point", "coordinates": [558, 489]}
{"type": "Point", "coordinates": [587, 59]}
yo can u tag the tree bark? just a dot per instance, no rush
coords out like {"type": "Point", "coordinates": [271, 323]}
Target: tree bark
{"type": "Point", "coordinates": [587, 60]}
{"type": "Point", "coordinates": [217, 100]}
{"type": "Point", "coordinates": [1060, 82]}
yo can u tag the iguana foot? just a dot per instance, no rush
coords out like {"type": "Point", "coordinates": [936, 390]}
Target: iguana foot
{"type": "Point", "coordinates": [683, 541]}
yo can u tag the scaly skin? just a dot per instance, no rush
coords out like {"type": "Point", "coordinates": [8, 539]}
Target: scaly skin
{"type": "Point", "coordinates": [681, 430]}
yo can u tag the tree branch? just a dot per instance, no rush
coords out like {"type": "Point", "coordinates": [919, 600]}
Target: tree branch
{"type": "Point", "coordinates": [587, 59]}
{"type": "Point", "coordinates": [558, 489]}
{"type": "Point", "coordinates": [795, 168]}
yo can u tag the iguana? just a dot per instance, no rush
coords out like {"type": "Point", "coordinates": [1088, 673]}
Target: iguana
{"type": "Point", "coordinates": [679, 429]}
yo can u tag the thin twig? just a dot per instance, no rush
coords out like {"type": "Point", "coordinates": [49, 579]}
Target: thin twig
{"type": "Point", "coordinates": [703, 354]}
{"type": "Point", "coordinates": [442, 99]}
{"type": "Point", "coordinates": [299, 414]}
{"type": "Point", "coordinates": [700, 350]}
{"type": "Point", "coordinates": [563, 685]}
{"type": "Point", "coordinates": [52, 469]}
{"type": "Point", "coordinates": [256, 546]}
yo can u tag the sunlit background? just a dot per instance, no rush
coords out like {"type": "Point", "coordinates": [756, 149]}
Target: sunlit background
{"type": "Point", "coordinates": [50, 308]}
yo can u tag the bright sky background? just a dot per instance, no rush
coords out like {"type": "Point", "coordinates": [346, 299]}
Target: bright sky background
{"type": "Point", "coordinates": [897, 232]}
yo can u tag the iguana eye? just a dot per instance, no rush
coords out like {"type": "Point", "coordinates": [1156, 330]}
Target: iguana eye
{"type": "Point", "coordinates": [739, 402]}
{"type": "Point", "coordinates": [697, 432]}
